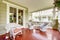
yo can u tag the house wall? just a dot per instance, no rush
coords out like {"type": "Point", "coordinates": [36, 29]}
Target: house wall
{"type": "Point", "coordinates": [2, 13]}
{"type": "Point", "coordinates": [0, 1]}
{"type": "Point", "coordinates": [2, 17]}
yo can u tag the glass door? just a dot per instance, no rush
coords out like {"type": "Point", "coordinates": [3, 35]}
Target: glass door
{"type": "Point", "coordinates": [12, 15]}
{"type": "Point", "coordinates": [20, 16]}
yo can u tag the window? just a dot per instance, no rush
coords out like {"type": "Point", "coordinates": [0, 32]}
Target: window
{"type": "Point", "coordinates": [35, 16]}
{"type": "Point", "coordinates": [42, 16]}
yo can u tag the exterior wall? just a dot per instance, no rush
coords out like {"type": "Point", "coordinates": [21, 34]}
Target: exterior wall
{"type": "Point", "coordinates": [3, 8]}
{"type": "Point", "coordinates": [3, 13]}
{"type": "Point", "coordinates": [2, 17]}
{"type": "Point", "coordinates": [0, 1]}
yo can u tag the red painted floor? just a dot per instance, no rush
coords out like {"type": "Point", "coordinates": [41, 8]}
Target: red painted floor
{"type": "Point", "coordinates": [50, 34]}
{"type": "Point", "coordinates": [39, 35]}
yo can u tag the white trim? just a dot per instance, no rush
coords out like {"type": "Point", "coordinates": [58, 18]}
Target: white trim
{"type": "Point", "coordinates": [24, 18]}
{"type": "Point", "coordinates": [17, 16]}
{"type": "Point", "coordinates": [7, 14]}
{"type": "Point", "coordinates": [13, 5]}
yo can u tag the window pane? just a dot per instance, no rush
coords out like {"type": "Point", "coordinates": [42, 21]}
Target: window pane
{"type": "Point", "coordinates": [44, 15]}
{"type": "Point", "coordinates": [35, 16]}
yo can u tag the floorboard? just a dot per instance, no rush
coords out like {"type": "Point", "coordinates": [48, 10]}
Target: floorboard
{"type": "Point", "coordinates": [50, 34]}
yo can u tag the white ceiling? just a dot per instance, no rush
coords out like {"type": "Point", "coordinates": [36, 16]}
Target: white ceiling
{"type": "Point", "coordinates": [34, 5]}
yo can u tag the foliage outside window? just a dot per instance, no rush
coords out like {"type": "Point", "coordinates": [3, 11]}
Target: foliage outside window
{"type": "Point", "coordinates": [44, 15]}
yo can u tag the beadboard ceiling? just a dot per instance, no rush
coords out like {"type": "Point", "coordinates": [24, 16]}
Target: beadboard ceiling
{"type": "Point", "coordinates": [34, 5]}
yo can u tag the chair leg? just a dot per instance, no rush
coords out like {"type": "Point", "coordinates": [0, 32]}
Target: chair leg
{"type": "Point", "coordinates": [13, 37]}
